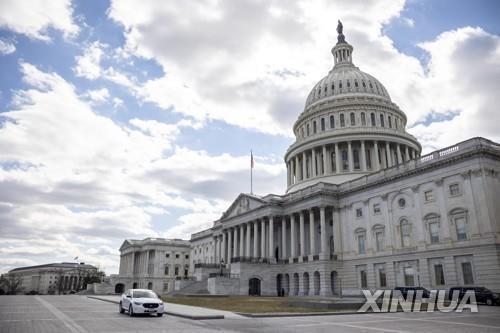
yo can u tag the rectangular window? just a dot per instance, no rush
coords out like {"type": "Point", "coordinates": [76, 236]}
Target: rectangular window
{"type": "Point", "coordinates": [332, 122]}
{"type": "Point", "coordinates": [382, 278]}
{"type": "Point", "coordinates": [409, 278]}
{"type": "Point", "coordinates": [379, 239]}
{"type": "Point", "coordinates": [454, 189]}
{"type": "Point", "coordinates": [467, 273]}
{"type": "Point", "coordinates": [439, 275]}
{"type": "Point", "coordinates": [361, 244]}
{"type": "Point", "coordinates": [363, 279]}
{"type": "Point", "coordinates": [165, 287]}
{"type": "Point", "coordinates": [187, 256]}
{"type": "Point", "coordinates": [460, 225]}
{"type": "Point", "coordinates": [359, 212]}
{"type": "Point", "coordinates": [177, 256]}
{"type": "Point", "coordinates": [434, 232]}
{"type": "Point", "coordinates": [405, 234]}
{"type": "Point", "coordinates": [376, 208]}
{"type": "Point", "coordinates": [166, 270]}
{"type": "Point", "coordinates": [176, 271]}
{"type": "Point", "coordinates": [167, 255]}
{"type": "Point", "coordinates": [322, 124]}
{"type": "Point", "coordinates": [428, 196]}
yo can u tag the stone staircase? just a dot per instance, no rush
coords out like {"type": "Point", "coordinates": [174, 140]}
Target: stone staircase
{"type": "Point", "coordinates": [195, 288]}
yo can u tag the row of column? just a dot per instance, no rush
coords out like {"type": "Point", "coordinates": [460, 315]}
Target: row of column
{"type": "Point", "coordinates": [236, 241]}
{"type": "Point", "coordinates": [344, 157]}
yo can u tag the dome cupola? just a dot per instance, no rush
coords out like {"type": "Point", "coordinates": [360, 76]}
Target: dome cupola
{"type": "Point", "coordinates": [349, 127]}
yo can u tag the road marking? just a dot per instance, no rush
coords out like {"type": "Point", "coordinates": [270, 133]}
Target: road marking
{"type": "Point", "coordinates": [67, 321]}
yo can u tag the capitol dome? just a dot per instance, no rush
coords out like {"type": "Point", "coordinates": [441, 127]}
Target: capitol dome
{"type": "Point", "coordinates": [349, 127]}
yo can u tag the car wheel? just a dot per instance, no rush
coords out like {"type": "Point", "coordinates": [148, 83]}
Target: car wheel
{"type": "Point", "coordinates": [130, 311]}
{"type": "Point", "coordinates": [121, 308]}
{"type": "Point", "coordinates": [489, 301]}
{"type": "Point", "coordinates": [160, 314]}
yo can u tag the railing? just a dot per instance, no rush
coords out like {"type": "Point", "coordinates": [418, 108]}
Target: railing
{"type": "Point", "coordinates": [251, 260]}
{"type": "Point", "coordinates": [224, 275]}
{"type": "Point", "coordinates": [207, 265]}
{"type": "Point", "coordinates": [192, 278]}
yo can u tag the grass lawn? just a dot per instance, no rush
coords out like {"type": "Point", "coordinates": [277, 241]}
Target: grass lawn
{"type": "Point", "coordinates": [246, 304]}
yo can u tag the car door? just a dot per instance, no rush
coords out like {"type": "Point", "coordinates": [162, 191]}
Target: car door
{"type": "Point", "coordinates": [126, 299]}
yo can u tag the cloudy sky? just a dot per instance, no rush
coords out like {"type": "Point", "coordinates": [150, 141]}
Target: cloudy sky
{"type": "Point", "coordinates": [128, 119]}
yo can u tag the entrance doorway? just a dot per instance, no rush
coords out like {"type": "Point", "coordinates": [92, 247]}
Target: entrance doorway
{"type": "Point", "coordinates": [119, 288]}
{"type": "Point", "coordinates": [279, 285]}
{"type": "Point", "coordinates": [254, 287]}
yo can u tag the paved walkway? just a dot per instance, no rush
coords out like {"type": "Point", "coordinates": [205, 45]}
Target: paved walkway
{"type": "Point", "coordinates": [195, 312]}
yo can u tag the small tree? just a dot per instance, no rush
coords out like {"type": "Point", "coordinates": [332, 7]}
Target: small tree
{"type": "Point", "coordinates": [11, 284]}
{"type": "Point", "coordinates": [93, 277]}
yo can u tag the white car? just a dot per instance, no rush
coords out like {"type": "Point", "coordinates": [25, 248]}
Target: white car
{"type": "Point", "coordinates": [136, 301]}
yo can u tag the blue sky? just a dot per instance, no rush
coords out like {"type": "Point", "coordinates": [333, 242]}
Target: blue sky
{"type": "Point", "coordinates": [120, 120]}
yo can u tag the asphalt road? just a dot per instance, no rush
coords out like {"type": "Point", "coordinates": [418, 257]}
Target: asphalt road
{"type": "Point", "coordinates": [79, 314]}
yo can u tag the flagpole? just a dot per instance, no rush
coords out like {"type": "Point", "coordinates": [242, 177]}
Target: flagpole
{"type": "Point", "coordinates": [251, 172]}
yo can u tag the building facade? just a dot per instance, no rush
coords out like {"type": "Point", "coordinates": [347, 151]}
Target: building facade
{"type": "Point", "coordinates": [152, 263]}
{"type": "Point", "coordinates": [56, 278]}
{"type": "Point", "coordinates": [363, 209]}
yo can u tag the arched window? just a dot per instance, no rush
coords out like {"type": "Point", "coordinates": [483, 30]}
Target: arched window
{"type": "Point", "coordinates": [342, 120]}
{"type": "Point", "coordinates": [382, 120]}
{"type": "Point", "coordinates": [405, 229]}
{"type": "Point", "coordinates": [372, 118]}
{"type": "Point", "coordinates": [307, 129]}
{"type": "Point", "coordinates": [332, 122]}
{"type": "Point", "coordinates": [353, 119]}
{"type": "Point", "coordinates": [333, 87]}
{"type": "Point", "coordinates": [360, 235]}
{"type": "Point", "coordinates": [340, 84]}
{"type": "Point", "coordinates": [322, 124]}
{"type": "Point", "coordinates": [459, 220]}
{"type": "Point", "coordinates": [356, 83]}
{"type": "Point", "coordinates": [379, 237]}
{"type": "Point", "coordinates": [432, 225]}
{"type": "Point", "coordinates": [363, 119]}
{"type": "Point", "coordinates": [348, 84]}
{"type": "Point", "coordinates": [302, 131]}
{"type": "Point", "coordinates": [314, 126]}
{"type": "Point", "coordinates": [390, 121]}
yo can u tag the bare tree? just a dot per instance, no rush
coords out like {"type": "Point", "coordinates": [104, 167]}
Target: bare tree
{"type": "Point", "coordinates": [11, 284]}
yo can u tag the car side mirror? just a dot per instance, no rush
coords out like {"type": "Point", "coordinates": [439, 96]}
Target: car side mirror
{"type": "Point", "coordinates": [128, 296]}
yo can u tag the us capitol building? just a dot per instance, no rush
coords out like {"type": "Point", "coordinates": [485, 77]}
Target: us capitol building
{"type": "Point", "coordinates": [363, 209]}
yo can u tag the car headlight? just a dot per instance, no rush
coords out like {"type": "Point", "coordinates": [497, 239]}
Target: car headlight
{"type": "Point", "coordinates": [160, 303]}
{"type": "Point", "coordinates": [137, 303]}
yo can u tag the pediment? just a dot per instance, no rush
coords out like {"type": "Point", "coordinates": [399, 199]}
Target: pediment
{"type": "Point", "coordinates": [243, 204]}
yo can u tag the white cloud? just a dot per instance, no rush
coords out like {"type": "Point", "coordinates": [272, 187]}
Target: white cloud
{"type": "Point", "coordinates": [88, 65]}
{"type": "Point", "coordinates": [71, 176]}
{"type": "Point", "coordinates": [7, 47]}
{"type": "Point", "coordinates": [117, 102]}
{"type": "Point", "coordinates": [33, 18]}
{"type": "Point", "coordinates": [98, 96]}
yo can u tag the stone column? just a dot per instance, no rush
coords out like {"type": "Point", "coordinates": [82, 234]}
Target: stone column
{"type": "Point", "coordinates": [376, 157]}
{"type": "Point", "coordinates": [235, 241]}
{"type": "Point", "coordinates": [304, 166]}
{"type": "Point", "coordinates": [445, 225]}
{"type": "Point", "coordinates": [263, 238]}
{"type": "Point", "coordinates": [302, 242]}
{"type": "Point", "coordinates": [223, 246]}
{"type": "Point", "coordinates": [249, 230]}
{"type": "Point", "coordinates": [407, 153]}
{"type": "Point", "coordinates": [312, 234]}
{"type": "Point", "coordinates": [337, 158]}
{"type": "Point", "coordinates": [349, 156]}
{"type": "Point", "coordinates": [255, 239]}
{"type": "Point", "coordinates": [322, 222]}
{"type": "Point", "coordinates": [229, 246]}
{"type": "Point", "coordinates": [283, 237]}
{"type": "Point", "coordinates": [271, 237]}
{"type": "Point", "coordinates": [400, 157]}
{"type": "Point", "coordinates": [293, 253]}
{"type": "Point", "coordinates": [325, 165]}
{"type": "Point", "coordinates": [363, 156]}
{"type": "Point", "coordinates": [216, 241]}
{"type": "Point", "coordinates": [242, 240]}
{"type": "Point", "coordinates": [388, 154]}
{"type": "Point", "coordinates": [313, 163]}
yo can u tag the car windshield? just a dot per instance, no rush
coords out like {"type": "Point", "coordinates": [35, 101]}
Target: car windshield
{"type": "Point", "coordinates": [144, 294]}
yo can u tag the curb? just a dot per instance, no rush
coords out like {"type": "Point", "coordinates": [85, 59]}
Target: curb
{"type": "Point", "coordinates": [296, 314]}
{"type": "Point", "coordinates": [204, 317]}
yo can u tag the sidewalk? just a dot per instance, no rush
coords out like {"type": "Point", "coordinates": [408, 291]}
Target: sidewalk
{"type": "Point", "coordinates": [185, 311]}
